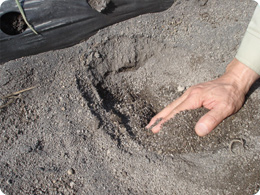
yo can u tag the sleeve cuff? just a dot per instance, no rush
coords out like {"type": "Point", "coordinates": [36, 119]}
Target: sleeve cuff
{"type": "Point", "coordinates": [249, 50]}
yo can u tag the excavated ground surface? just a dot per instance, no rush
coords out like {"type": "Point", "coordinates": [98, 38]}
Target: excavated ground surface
{"type": "Point", "coordinates": [81, 130]}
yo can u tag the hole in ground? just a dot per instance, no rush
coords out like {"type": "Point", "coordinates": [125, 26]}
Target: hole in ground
{"type": "Point", "coordinates": [102, 6]}
{"type": "Point", "coordinates": [12, 23]}
{"type": "Point", "coordinates": [121, 97]}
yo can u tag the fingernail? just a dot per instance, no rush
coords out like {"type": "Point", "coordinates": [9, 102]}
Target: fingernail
{"type": "Point", "coordinates": [202, 129]}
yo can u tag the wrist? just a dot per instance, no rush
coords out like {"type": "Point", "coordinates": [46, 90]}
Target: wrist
{"type": "Point", "coordinates": [241, 75]}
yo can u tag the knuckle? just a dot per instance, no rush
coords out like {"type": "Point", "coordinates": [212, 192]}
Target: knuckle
{"type": "Point", "coordinates": [195, 90]}
{"type": "Point", "coordinates": [230, 108]}
{"type": "Point", "coordinates": [195, 94]}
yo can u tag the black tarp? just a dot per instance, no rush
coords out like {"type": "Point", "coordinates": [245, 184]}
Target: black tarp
{"type": "Point", "coordinates": [63, 23]}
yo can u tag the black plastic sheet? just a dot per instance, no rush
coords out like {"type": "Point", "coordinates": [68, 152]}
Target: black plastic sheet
{"type": "Point", "coordinates": [63, 23]}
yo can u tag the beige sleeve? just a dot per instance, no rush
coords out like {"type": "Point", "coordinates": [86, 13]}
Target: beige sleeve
{"type": "Point", "coordinates": [249, 50]}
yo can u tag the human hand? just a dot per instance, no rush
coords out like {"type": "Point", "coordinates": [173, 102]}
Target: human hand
{"type": "Point", "coordinates": [223, 97]}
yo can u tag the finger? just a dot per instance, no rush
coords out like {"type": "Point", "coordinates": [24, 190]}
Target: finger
{"type": "Point", "coordinates": [157, 127]}
{"type": "Point", "coordinates": [167, 110]}
{"type": "Point", "coordinates": [152, 121]}
{"type": "Point", "coordinates": [188, 104]}
{"type": "Point", "coordinates": [211, 120]}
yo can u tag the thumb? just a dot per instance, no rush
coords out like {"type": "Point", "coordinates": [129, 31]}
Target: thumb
{"type": "Point", "coordinates": [210, 120]}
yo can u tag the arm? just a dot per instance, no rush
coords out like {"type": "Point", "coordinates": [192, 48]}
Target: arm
{"type": "Point", "coordinates": [249, 50]}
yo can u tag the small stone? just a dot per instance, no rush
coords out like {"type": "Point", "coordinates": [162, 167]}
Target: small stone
{"type": "Point", "coordinates": [122, 129]}
{"type": "Point", "coordinates": [63, 108]}
{"type": "Point", "coordinates": [180, 88]}
{"type": "Point", "coordinates": [97, 55]}
{"type": "Point", "coordinates": [71, 171]}
{"type": "Point", "coordinates": [72, 184]}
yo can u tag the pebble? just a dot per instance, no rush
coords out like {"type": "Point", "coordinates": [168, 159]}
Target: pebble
{"type": "Point", "coordinates": [180, 88]}
{"type": "Point", "coordinates": [71, 171]}
{"type": "Point", "coordinates": [97, 55]}
{"type": "Point", "coordinates": [122, 129]}
{"type": "Point", "coordinates": [72, 184]}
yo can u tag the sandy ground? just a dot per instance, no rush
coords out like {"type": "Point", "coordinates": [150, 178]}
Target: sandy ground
{"type": "Point", "coordinates": [81, 130]}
